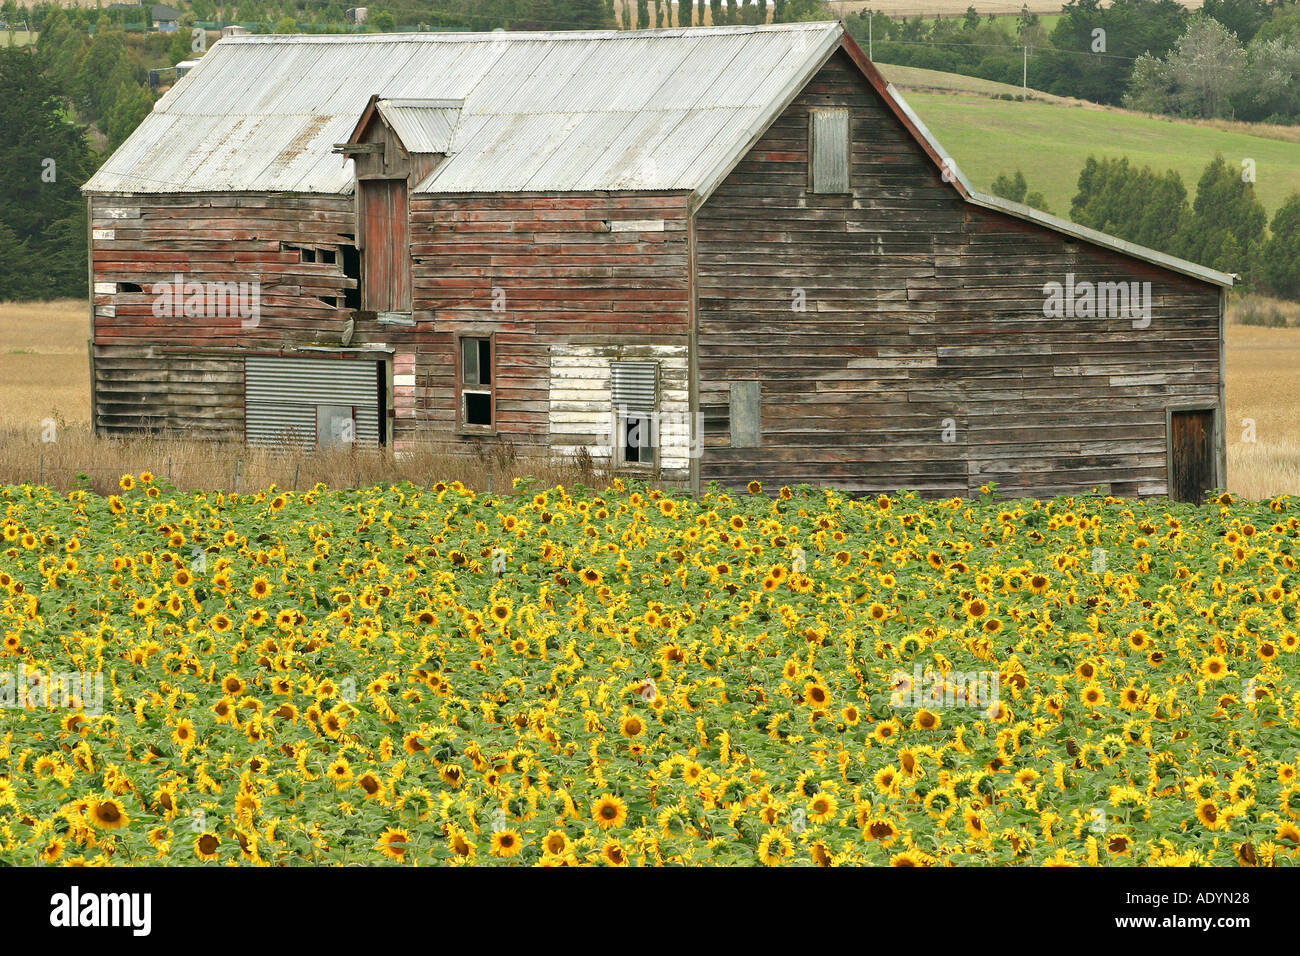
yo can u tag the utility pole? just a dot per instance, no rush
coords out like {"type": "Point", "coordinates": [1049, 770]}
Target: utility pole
{"type": "Point", "coordinates": [1024, 73]}
{"type": "Point", "coordinates": [871, 16]}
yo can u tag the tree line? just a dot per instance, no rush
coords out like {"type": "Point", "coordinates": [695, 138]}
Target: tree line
{"type": "Point", "coordinates": [1232, 58]}
{"type": "Point", "coordinates": [1224, 226]}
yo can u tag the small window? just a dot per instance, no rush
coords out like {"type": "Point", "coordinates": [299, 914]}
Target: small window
{"type": "Point", "coordinates": [634, 391]}
{"type": "Point", "coordinates": [828, 149]}
{"type": "Point", "coordinates": [128, 287]}
{"type": "Point", "coordinates": [307, 254]}
{"type": "Point", "coordinates": [636, 438]}
{"type": "Point", "coordinates": [476, 382]}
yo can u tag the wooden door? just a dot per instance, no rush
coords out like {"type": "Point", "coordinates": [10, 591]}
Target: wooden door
{"type": "Point", "coordinates": [1191, 449]}
{"type": "Point", "coordinates": [385, 246]}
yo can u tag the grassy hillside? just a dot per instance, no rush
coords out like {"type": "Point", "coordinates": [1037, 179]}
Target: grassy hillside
{"type": "Point", "coordinates": [1049, 139]}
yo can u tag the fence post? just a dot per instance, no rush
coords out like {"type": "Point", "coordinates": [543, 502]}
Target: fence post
{"type": "Point", "coordinates": [237, 464]}
{"type": "Point", "coordinates": [169, 470]}
{"type": "Point", "coordinates": [295, 476]}
{"type": "Point", "coordinates": [40, 477]}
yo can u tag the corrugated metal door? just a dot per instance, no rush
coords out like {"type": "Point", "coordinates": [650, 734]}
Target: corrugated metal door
{"type": "Point", "coordinates": [385, 243]}
{"type": "Point", "coordinates": [284, 398]}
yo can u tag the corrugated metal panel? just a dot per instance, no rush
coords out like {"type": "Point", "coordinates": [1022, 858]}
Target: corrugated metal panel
{"type": "Point", "coordinates": [667, 106]}
{"type": "Point", "coordinates": [281, 396]}
{"type": "Point", "coordinates": [423, 126]}
{"type": "Point", "coordinates": [830, 150]}
{"type": "Point", "coordinates": [634, 385]}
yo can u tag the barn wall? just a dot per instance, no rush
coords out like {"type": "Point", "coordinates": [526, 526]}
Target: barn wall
{"type": "Point", "coordinates": [883, 323]}
{"type": "Point", "coordinates": [544, 274]}
{"type": "Point", "coordinates": [182, 370]}
{"type": "Point", "coordinates": [541, 273]}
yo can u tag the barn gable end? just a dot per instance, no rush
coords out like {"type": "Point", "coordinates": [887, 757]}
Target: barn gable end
{"type": "Point", "coordinates": [897, 334]}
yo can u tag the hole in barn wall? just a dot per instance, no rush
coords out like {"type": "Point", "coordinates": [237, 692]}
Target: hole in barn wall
{"type": "Point", "coordinates": [351, 269]}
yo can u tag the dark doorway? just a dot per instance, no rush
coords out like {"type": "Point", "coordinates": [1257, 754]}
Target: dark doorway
{"type": "Point", "coordinates": [1191, 454]}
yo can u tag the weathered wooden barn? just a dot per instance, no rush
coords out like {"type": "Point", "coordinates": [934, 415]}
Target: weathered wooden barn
{"type": "Point", "coordinates": [711, 254]}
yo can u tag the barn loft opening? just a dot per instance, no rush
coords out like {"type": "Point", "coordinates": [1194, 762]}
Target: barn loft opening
{"type": "Point", "coordinates": [395, 145]}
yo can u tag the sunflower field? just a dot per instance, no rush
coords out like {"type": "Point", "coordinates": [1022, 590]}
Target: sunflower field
{"type": "Point", "coordinates": [414, 676]}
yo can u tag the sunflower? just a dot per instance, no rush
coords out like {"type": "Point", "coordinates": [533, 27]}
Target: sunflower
{"type": "Point", "coordinates": [881, 830]}
{"type": "Point", "coordinates": [816, 695]}
{"type": "Point", "coordinates": [1289, 832]}
{"type": "Point", "coordinates": [556, 843]}
{"type": "Point", "coordinates": [108, 814]}
{"type": "Point", "coordinates": [1214, 667]}
{"type": "Point", "coordinates": [909, 858]}
{"type": "Point", "coordinates": [886, 730]}
{"type": "Point", "coordinates": [822, 807]}
{"type": "Point", "coordinates": [183, 733]}
{"type": "Point", "coordinates": [1207, 811]}
{"type": "Point", "coordinates": [613, 854]}
{"type": "Point", "coordinates": [52, 850]}
{"type": "Point", "coordinates": [774, 847]}
{"type": "Point", "coordinates": [926, 720]}
{"type": "Point", "coordinates": [609, 812]}
{"type": "Point", "coordinates": [371, 784]}
{"type": "Point", "coordinates": [205, 846]}
{"type": "Point", "coordinates": [506, 843]}
{"type": "Point", "coordinates": [393, 843]}
{"type": "Point", "coordinates": [590, 577]}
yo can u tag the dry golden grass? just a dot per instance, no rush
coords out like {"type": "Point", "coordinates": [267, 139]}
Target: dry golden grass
{"type": "Point", "coordinates": [1262, 390]}
{"type": "Point", "coordinates": [44, 373]}
{"type": "Point", "coordinates": [44, 362]}
{"type": "Point", "coordinates": [76, 459]}
{"type": "Point", "coordinates": [1262, 310]}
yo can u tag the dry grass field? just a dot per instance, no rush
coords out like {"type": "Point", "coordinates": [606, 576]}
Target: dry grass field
{"type": "Point", "coordinates": [44, 373]}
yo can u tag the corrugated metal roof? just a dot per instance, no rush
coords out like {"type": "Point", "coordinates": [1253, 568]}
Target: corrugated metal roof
{"type": "Point", "coordinates": [588, 110]}
{"type": "Point", "coordinates": [423, 126]}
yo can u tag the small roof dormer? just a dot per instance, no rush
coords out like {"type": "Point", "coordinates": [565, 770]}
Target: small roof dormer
{"type": "Point", "coordinates": [402, 138]}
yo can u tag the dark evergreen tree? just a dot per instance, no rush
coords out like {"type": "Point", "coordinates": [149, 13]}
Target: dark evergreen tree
{"type": "Point", "coordinates": [1280, 259]}
{"type": "Point", "coordinates": [44, 159]}
{"type": "Point", "coordinates": [1226, 228]}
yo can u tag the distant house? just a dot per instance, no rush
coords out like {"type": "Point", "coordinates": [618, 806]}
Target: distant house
{"type": "Point", "coordinates": [355, 14]}
{"type": "Point", "coordinates": [165, 18]}
{"type": "Point", "coordinates": [710, 254]}
{"type": "Point", "coordinates": [234, 30]}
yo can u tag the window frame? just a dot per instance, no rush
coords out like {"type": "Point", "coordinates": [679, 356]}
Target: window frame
{"type": "Point", "coordinates": [813, 113]}
{"type": "Point", "coordinates": [620, 447]}
{"type": "Point", "coordinates": [621, 413]}
{"type": "Point", "coordinates": [462, 426]}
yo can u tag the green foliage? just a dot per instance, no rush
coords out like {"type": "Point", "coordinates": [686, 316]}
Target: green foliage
{"type": "Point", "coordinates": [1137, 205]}
{"type": "Point", "coordinates": [1016, 189]}
{"type": "Point", "coordinates": [1280, 260]}
{"type": "Point", "coordinates": [1226, 228]}
{"type": "Point", "coordinates": [44, 159]}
